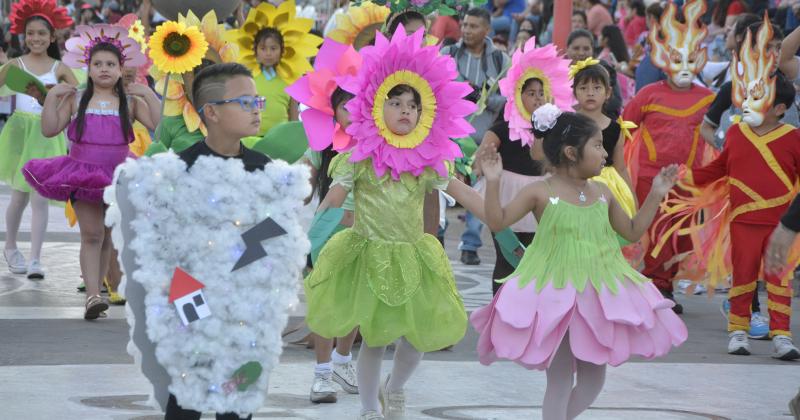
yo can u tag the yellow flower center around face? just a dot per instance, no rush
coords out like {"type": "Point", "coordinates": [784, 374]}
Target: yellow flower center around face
{"type": "Point", "coordinates": [420, 132]}
{"type": "Point", "coordinates": [529, 74]}
{"type": "Point", "coordinates": [176, 45]}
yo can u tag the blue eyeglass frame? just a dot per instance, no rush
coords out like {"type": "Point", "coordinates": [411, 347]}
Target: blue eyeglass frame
{"type": "Point", "coordinates": [259, 102]}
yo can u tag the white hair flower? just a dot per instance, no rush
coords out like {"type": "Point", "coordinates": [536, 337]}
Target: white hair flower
{"type": "Point", "coordinates": [545, 117]}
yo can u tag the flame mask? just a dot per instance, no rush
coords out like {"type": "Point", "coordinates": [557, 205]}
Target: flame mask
{"type": "Point", "coordinates": [753, 80]}
{"type": "Point", "coordinates": [676, 46]}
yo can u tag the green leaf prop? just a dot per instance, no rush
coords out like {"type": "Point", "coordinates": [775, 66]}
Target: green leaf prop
{"type": "Point", "coordinates": [325, 225]}
{"type": "Point", "coordinates": [246, 375]}
{"type": "Point", "coordinates": [18, 80]}
{"type": "Point", "coordinates": [286, 141]}
{"type": "Point", "coordinates": [509, 245]}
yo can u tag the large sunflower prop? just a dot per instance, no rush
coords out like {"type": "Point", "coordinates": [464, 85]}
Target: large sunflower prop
{"type": "Point", "coordinates": [314, 90]}
{"type": "Point", "coordinates": [298, 44]}
{"type": "Point", "coordinates": [357, 27]}
{"type": "Point", "coordinates": [551, 69]}
{"type": "Point", "coordinates": [176, 48]}
{"type": "Point", "coordinates": [404, 60]}
{"type": "Point", "coordinates": [80, 46]}
{"type": "Point", "coordinates": [177, 102]}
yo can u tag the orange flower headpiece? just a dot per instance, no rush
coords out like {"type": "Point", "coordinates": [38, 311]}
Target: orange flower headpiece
{"type": "Point", "coordinates": [48, 10]}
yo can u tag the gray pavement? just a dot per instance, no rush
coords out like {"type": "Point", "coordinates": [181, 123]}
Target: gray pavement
{"type": "Point", "coordinates": [54, 365]}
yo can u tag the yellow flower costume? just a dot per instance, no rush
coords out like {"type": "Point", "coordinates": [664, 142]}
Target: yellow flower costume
{"type": "Point", "coordinates": [357, 27]}
{"type": "Point", "coordinates": [299, 44]}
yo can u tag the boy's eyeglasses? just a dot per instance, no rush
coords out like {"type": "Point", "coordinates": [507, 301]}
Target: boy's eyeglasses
{"type": "Point", "coordinates": [247, 102]}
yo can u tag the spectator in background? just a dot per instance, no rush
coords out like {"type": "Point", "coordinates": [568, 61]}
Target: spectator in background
{"type": "Point", "coordinates": [615, 51]}
{"type": "Point", "coordinates": [646, 72]}
{"type": "Point", "coordinates": [597, 17]}
{"type": "Point", "coordinates": [112, 13]}
{"type": "Point", "coordinates": [502, 18]}
{"type": "Point", "coordinates": [480, 64]}
{"type": "Point", "coordinates": [636, 22]}
{"type": "Point", "coordinates": [446, 29]}
{"type": "Point", "coordinates": [579, 20]}
{"type": "Point", "coordinates": [522, 37]}
{"type": "Point", "coordinates": [724, 15]}
{"type": "Point", "coordinates": [88, 15]}
{"type": "Point", "coordinates": [529, 24]}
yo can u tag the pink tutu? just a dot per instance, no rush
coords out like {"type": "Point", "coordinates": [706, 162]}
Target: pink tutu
{"type": "Point", "coordinates": [527, 326]}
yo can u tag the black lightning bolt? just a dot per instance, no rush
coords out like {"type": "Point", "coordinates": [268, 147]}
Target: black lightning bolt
{"type": "Point", "coordinates": [252, 238]}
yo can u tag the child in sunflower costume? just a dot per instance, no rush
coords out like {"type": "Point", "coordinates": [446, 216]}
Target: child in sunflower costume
{"type": "Point", "coordinates": [275, 45]}
{"type": "Point", "coordinates": [385, 275]}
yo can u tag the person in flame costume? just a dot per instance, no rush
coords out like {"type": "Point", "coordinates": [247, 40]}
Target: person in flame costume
{"type": "Point", "coordinates": [668, 114]}
{"type": "Point", "coordinates": [749, 187]}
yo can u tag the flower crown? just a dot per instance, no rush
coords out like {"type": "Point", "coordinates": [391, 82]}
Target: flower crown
{"type": "Point", "coordinates": [79, 47]}
{"type": "Point", "coordinates": [56, 16]}
{"type": "Point", "coordinates": [580, 65]}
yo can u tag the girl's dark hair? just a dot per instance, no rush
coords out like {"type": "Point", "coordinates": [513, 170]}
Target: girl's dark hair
{"type": "Point", "coordinates": [323, 179]}
{"type": "Point", "coordinates": [580, 33]}
{"type": "Point", "coordinates": [637, 6]}
{"type": "Point", "coordinates": [571, 129]}
{"type": "Point", "coordinates": [616, 43]}
{"type": "Point", "coordinates": [594, 73]}
{"type": "Point", "coordinates": [266, 33]}
{"type": "Point", "coordinates": [401, 89]}
{"type": "Point", "coordinates": [529, 81]}
{"type": "Point", "coordinates": [582, 14]}
{"type": "Point", "coordinates": [52, 50]}
{"type": "Point", "coordinates": [124, 115]}
{"type": "Point", "coordinates": [395, 19]}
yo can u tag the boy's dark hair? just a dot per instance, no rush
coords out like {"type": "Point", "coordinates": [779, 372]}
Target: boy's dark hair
{"type": "Point", "coordinates": [594, 73]}
{"type": "Point", "coordinates": [266, 33]}
{"type": "Point", "coordinates": [580, 33]}
{"type": "Point", "coordinates": [784, 91]}
{"type": "Point", "coordinates": [52, 50]}
{"type": "Point", "coordinates": [401, 89]}
{"type": "Point", "coordinates": [571, 129]}
{"type": "Point", "coordinates": [209, 83]}
{"type": "Point", "coordinates": [396, 19]}
{"type": "Point", "coordinates": [119, 89]}
{"type": "Point", "coordinates": [481, 13]}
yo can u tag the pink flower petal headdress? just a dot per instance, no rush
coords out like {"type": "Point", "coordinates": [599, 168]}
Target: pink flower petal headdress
{"type": "Point", "coordinates": [79, 47]}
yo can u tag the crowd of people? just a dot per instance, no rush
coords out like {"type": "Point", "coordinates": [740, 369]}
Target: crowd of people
{"type": "Point", "coordinates": [566, 153]}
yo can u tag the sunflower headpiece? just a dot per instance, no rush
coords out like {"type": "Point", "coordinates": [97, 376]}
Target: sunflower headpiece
{"type": "Point", "coordinates": [551, 69]}
{"type": "Point", "coordinates": [80, 46]}
{"type": "Point", "coordinates": [56, 16]}
{"type": "Point", "coordinates": [404, 60]}
{"type": "Point", "coordinates": [357, 27]}
{"type": "Point", "coordinates": [298, 44]}
{"type": "Point", "coordinates": [314, 90]}
{"type": "Point", "coordinates": [580, 65]}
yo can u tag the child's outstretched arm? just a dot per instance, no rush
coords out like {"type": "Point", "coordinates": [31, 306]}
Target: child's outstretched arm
{"type": "Point", "coordinates": [633, 229]}
{"type": "Point", "coordinates": [469, 198]}
{"type": "Point", "coordinates": [334, 199]}
{"type": "Point", "coordinates": [497, 216]}
{"type": "Point", "coordinates": [59, 105]}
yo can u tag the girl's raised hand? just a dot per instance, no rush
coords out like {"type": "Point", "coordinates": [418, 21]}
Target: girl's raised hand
{"type": "Point", "coordinates": [665, 180]}
{"type": "Point", "coordinates": [62, 90]}
{"type": "Point", "coordinates": [491, 165]}
{"type": "Point", "coordinates": [137, 89]}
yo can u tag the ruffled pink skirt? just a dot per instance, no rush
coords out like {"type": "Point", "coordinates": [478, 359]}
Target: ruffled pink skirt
{"type": "Point", "coordinates": [527, 326]}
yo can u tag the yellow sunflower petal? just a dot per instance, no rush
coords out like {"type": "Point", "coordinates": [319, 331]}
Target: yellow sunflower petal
{"type": "Point", "coordinates": [191, 117]}
{"type": "Point", "coordinates": [176, 48]}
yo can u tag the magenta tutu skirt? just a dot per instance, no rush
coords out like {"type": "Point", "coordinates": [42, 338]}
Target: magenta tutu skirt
{"type": "Point", "coordinates": [527, 326]}
{"type": "Point", "coordinates": [83, 175]}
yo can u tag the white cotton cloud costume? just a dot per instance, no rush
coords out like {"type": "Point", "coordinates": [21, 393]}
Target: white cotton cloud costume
{"type": "Point", "coordinates": [165, 217]}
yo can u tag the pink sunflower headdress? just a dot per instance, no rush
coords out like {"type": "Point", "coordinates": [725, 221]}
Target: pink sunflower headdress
{"type": "Point", "coordinates": [551, 69]}
{"type": "Point", "coordinates": [314, 90]}
{"type": "Point", "coordinates": [404, 60]}
{"type": "Point", "coordinates": [79, 47]}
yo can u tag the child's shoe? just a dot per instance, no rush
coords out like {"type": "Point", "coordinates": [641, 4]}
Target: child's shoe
{"type": "Point", "coordinates": [115, 299]}
{"type": "Point", "coordinates": [345, 375]}
{"type": "Point", "coordinates": [784, 348]}
{"type": "Point", "coordinates": [16, 261]}
{"type": "Point", "coordinates": [370, 415]}
{"type": "Point", "coordinates": [393, 402]}
{"type": "Point", "coordinates": [322, 390]}
{"type": "Point", "coordinates": [35, 271]}
{"type": "Point", "coordinates": [759, 326]}
{"type": "Point", "coordinates": [738, 344]}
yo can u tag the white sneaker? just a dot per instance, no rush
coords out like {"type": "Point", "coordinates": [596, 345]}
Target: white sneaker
{"type": "Point", "coordinates": [344, 374]}
{"type": "Point", "coordinates": [393, 402]}
{"type": "Point", "coordinates": [370, 415]}
{"type": "Point", "coordinates": [16, 261]}
{"type": "Point", "coordinates": [35, 271]}
{"type": "Point", "coordinates": [738, 344]}
{"type": "Point", "coordinates": [784, 348]}
{"type": "Point", "coordinates": [322, 390]}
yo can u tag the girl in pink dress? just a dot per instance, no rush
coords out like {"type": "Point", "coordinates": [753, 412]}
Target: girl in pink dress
{"type": "Point", "coordinates": [99, 128]}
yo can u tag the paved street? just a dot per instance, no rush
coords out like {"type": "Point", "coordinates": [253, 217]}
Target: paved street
{"type": "Point", "coordinates": [55, 365]}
